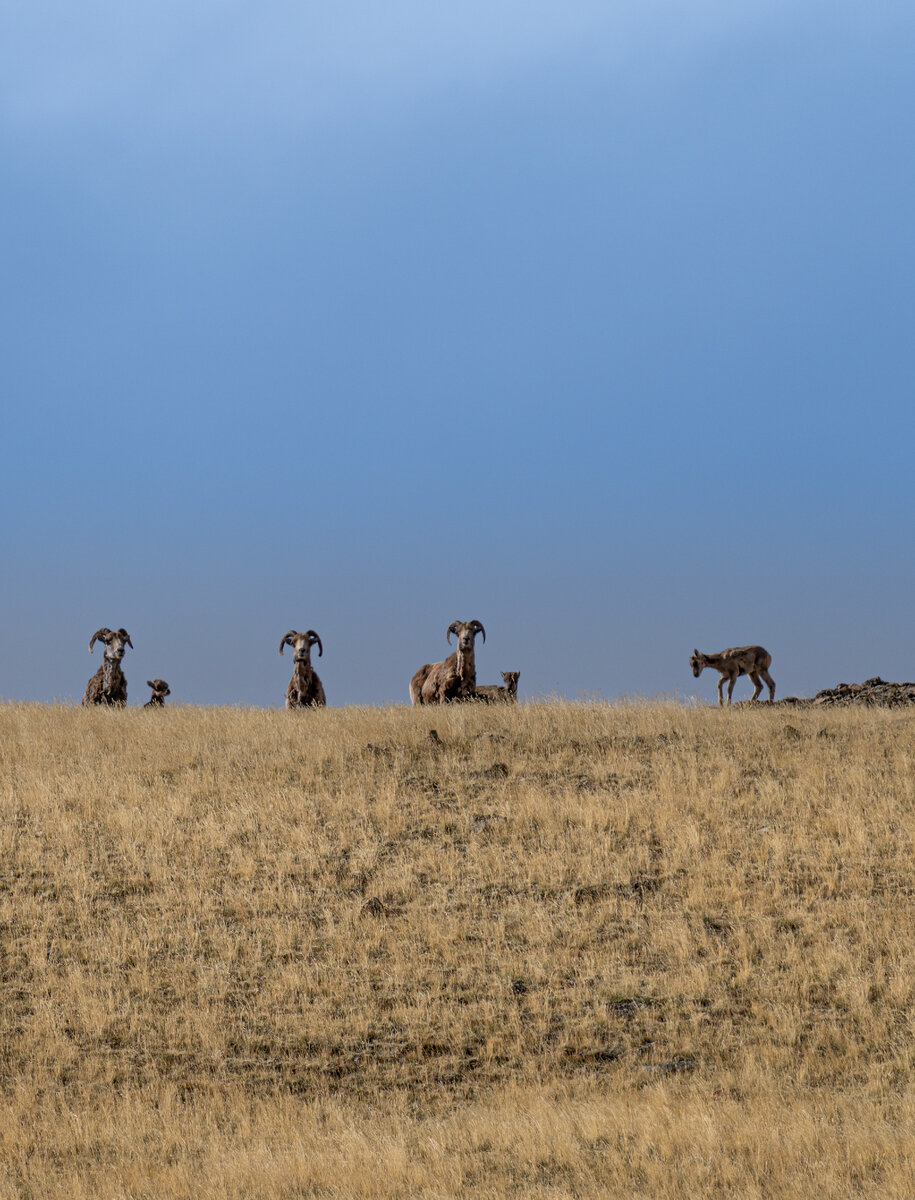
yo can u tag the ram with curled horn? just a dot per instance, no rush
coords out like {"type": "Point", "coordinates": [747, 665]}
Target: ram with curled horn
{"type": "Point", "coordinates": [455, 678]}
{"type": "Point", "coordinates": [108, 685]}
{"type": "Point", "coordinates": [305, 689]}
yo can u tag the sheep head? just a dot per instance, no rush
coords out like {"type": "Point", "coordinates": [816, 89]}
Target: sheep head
{"type": "Point", "coordinates": [697, 662]}
{"type": "Point", "coordinates": [301, 644]}
{"type": "Point", "coordinates": [465, 632]}
{"type": "Point", "coordinates": [115, 642]}
{"type": "Point", "coordinates": [159, 687]}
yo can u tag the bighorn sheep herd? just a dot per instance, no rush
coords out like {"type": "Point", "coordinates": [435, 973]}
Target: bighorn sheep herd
{"type": "Point", "coordinates": [452, 680]}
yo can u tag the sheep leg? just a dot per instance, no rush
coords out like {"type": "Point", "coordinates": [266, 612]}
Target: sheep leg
{"type": "Point", "coordinates": [771, 682]}
{"type": "Point", "coordinates": [757, 686]}
{"type": "Point", "coordinates": [721, 679]}
{"type": "Point", "coordinates": [732, 679]}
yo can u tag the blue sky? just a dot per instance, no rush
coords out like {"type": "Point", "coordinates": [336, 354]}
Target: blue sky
{"type": "Point", "coordinates": [591, 321]}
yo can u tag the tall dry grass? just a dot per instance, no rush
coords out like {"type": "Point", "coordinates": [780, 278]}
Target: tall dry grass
{"type": "Point", "coordinates": [572, 950]}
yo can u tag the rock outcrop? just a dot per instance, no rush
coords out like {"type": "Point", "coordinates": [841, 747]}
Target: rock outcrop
{"type": "Point", "coordinates": [872, 691]}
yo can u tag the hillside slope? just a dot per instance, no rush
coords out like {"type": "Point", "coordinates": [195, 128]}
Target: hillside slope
{"type": "Point", "coordinates": [555, 950]}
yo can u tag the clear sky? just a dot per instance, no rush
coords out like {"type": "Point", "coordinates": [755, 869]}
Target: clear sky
{"type": "Point", "coordinates": [590, 320]}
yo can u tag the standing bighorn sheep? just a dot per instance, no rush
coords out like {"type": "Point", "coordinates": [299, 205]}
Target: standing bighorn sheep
{"type": "Point", "coordinates": [160, 690]}
{"type": "Point", "coordinates": [108, 685]}
{"type": "Point", "coordinates": [455, 678]}
{"type": "Point", "coordinates": [740, 660]}
{"type": "Point", "coordinates": [491, 693]}
{"type": "Point", "coordinates": [305, 689]}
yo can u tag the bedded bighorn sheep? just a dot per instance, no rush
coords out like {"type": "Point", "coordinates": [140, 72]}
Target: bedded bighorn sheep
{"type": "Point", "coordinates": [160, 690]}
{"type": "Point", "coordinates": [456, 677]}
{"type": "Point", "coordinates": [108, 685]}
{"type": "Point", "coordinates": [741, 660]}
{"type": "Point", "coordinates": [491, 693]}
{"type": "Point", "coordinates": [305, 689]}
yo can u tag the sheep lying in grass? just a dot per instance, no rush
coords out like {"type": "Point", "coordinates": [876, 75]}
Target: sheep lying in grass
{"type": "Point", "coordinates": [740, 660]}
{"type": "Point", "coordinates": [455, 678]}
{"type": "Point", "coordinates": [491, 693]}
{"type": "Point", "coordinates": [160, 690]}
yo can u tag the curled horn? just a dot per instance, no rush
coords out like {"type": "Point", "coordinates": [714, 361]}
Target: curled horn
{"type": "Point", "coordinates": [287, 640]}
{"type": "Point", "coordinates": [453, 628]}
{"type": "Point", "coordinates": [100, 635]}
{"type": "Point", "coordinates": [126, 636]}
{"type": "Point", "coordinates": [478, 628]}
{"type": "Point", "coordinates": [312, 638]}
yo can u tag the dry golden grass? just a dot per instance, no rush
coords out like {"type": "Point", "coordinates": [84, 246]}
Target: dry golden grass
{"type": "Point", "coordinates": [572, 951]}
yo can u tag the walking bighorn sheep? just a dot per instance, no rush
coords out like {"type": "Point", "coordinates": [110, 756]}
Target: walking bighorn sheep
{"type": "Point", "coordinates": [740, 660]}
{"type": "Point", "coordinates": [108, 685]}
{"type": "Point", "coordinates": [455, 678]}
{"type": "Point", "coordinates": [305, 689]}
{"type": "Point", "coordinates": [491, 693]}
{"type": "Point", "coordinates": [160, 690]}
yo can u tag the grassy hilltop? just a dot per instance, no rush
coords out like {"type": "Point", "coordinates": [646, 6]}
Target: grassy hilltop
{"type": "Point", "coordinates": [558, 951]}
